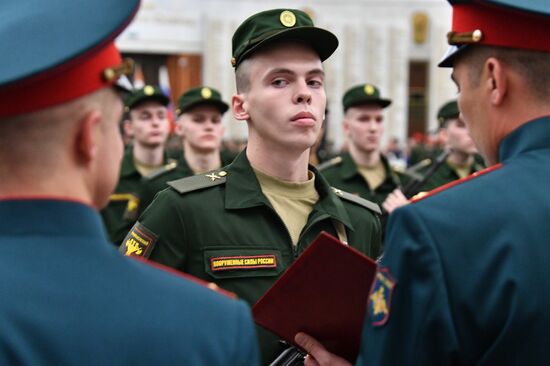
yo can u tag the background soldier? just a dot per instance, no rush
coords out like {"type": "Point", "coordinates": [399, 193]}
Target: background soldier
{"type": "Point", "coordinates": [363, 171]}
{"type": "Point", "coordinates": [68, 298]}
{"type": "Point", "coordinates": [200, 128]}
{"type": "Point", "coordinates": [457, 161]}
{"type": "Point", "coordinates": [460, 281]}
{"type": "Point", "coordinates": [460, 161]}
{"type": "Point", "coordinates": [148, 126]}
{"type": "Point", "coordinates": [243, 225]}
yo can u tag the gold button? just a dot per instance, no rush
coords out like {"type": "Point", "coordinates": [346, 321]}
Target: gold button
{"type": "Point", "coordinates": [222, 173]}
{"type": "Point", "coordinates": [233, 61]}
{"type": "Point", "coordinates": [477, 35]}
{"type": "Point", "coordinates": [109, 74]}
{"type": "Point", "coordinates": [288, 19]}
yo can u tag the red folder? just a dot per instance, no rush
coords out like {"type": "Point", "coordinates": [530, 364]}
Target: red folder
{"type": "Point", "coordinates": [324, 293]}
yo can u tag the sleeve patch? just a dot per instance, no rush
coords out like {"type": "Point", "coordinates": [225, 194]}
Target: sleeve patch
{"type": "Point", "coordinates": [380, 297]}
{"type": "Point", "coordinates": [139, 242]}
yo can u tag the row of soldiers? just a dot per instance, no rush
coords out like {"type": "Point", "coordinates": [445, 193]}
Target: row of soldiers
{"type": "Point", "coordinates": [457, 279]}
{"type": "Point", "coordinates": [363, 170]}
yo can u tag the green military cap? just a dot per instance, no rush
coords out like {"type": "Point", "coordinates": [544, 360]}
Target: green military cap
{"type": "Point", "coordinates": [280, 24]}
{"type": "Point", "coordinates": [448, 111]}
{"type": "Point", "coordinates": [364, 94]}
{"type": "Point", "coordinates": [148, 92]}
{"type": "Point", "coordinates": [201, 95]}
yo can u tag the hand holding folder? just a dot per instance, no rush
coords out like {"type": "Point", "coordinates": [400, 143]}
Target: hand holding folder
{"type": "Point", "coordinates": [324, 294]}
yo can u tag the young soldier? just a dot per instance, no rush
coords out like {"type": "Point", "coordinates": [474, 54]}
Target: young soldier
{"type": "Point", "coordinates": [243, 225]}
{"type": "Point", "coordinates": [463, 280]}
{"type": "Point", "coordinates": [68, 298]}
{"type": "Point", "coordinates": [200, 127]}
{"type": "Point", "coordinates": [458, 143]}
{"type": "Point", "coordinates": [148, 126]}
{"type": "Point", "coordinates": [364, 171]}
{"type": "Point", "coordinates": [457, 161]}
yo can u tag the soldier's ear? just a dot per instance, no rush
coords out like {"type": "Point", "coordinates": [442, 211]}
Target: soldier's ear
{"type": "Point", "coordinates": [128, 129]}
{"type": "Point", "coordinates": [239, 106]}
{"type": "Point", "coordinates": [87, 137]}
{"type": "Point", "coordinates": [345, 127]}
{"type": "Point", "coordinates": [496, 80]}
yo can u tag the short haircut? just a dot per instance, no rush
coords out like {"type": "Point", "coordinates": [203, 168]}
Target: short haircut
{"type": "Point", "coordinates": [533, 66]}
{"type": "Point", "coordinates": [33, 139]}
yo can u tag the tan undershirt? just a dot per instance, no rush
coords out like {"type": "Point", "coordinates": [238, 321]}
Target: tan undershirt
{"type": "Point", "coordinates": [460, 170]}
{"type": "Point", "coordinates": [293, 201]}
{"type": "Point", "coordinates": [374, 175]}
{"type": "Point", "coordinates": [145, 169]}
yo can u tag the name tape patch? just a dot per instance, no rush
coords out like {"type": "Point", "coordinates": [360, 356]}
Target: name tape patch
{"type": "Point", "coordinates": [243, 262]}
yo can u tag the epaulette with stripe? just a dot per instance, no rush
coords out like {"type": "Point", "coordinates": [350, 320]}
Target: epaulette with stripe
{"type": "Point", "coordinates": [199, 181]}
{"type": "Point", "coordinates": [444, 187]}
{"type": "Point", "coordinates": [332, 162]}
{"type": "Point", "coordinates": [172, 164]}
{"type": "Point", "coordinates": [357, 200]}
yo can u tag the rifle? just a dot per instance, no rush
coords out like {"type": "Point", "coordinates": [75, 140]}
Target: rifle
{"type": "Point", "coordinates": [291, 356]}
{"type": "Point", "coordinates": [414, 186]}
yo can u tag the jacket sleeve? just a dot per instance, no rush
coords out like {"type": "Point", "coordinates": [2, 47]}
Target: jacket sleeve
{"type": "Point", "coordinates": [159, 233]}
{"type": "Point", "coordinates": [418, 327]}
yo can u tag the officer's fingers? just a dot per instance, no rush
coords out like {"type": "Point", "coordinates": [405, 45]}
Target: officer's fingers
{"type": "Point", "coordinates": [399, 194]}
{"type": "Point", "coordinates": [318, 352]}
{"type": "Point", "coordinates": [310, 361]}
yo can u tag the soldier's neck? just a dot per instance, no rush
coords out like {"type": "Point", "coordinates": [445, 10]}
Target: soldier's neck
{"type": "Point", "coordinates": [364, 158]}
{"type": "Point", "coordinates": [201, 161]}
{"type": "Point", "coordinates": [279, 162]}
{"type": "Point", "coordinates": [152, 156]}
{"type": "Point", "coordinates": [460, 159]}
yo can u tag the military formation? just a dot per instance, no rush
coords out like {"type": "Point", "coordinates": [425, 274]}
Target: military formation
{"type": "Point", "coordinates": [138, 254]}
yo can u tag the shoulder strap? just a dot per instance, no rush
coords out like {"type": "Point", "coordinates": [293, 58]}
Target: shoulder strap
{"type": "Point", "coordinates": [199, 181]}
{"type": "Point", "coordinates": [332, 162]}
{"type": "Point", "coordinates": [172, 164]}
{"type": "Point", "coordinates": [358, 200]}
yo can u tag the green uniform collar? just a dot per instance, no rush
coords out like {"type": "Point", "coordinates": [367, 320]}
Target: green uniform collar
{"type": "Point", "coordinates": [349, 169]}
{"type": "Point", "coordinates": [128, 167]}
{"type": "Point", "coordinates": [242, 190]}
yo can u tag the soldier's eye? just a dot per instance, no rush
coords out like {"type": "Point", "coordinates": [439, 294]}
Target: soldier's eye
{"type": "Point", "coordinates": [279, 82]}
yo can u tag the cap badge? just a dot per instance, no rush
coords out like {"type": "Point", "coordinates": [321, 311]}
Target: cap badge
{"type": "Point", "coordinates": [288, 19]}
{"type": "Point", "coordinates": [149, 90]}
{"type": "Point", "coordinates": [369, 89]}
{"type": "Point", "coordinates": [206, 93]}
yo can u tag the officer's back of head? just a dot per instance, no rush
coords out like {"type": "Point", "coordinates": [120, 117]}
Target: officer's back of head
{"type": "Point", "coordinates": [59, 102]}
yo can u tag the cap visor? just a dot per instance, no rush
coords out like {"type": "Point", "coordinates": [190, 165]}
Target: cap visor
{"type": "Point", "coordinates": [124, 84]}
{"type": "Point", "coordinates": [451, 55]}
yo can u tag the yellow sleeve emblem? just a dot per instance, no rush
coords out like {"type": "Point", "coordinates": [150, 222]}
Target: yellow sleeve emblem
{"type": "Point", "coordinates": [139, 242]}
{"type": "Point", "coordinates": [380, 297]}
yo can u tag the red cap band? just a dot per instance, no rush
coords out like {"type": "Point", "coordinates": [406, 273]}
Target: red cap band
{"type": "Point", "coordinates": [64, 83]}
{"type": "Point", "coordinates": [504, 27]}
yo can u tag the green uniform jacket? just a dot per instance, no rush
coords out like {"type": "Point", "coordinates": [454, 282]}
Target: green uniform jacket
{"type": "Point", "coordinates": [221, 228]}
{"type": "Point", "coordinates": [122, 211]}
{"type": "Point", "coordinates": [342, 173]}
{"type": "Point", "coordinates": [443, 175]}
{"type": "Point", "coordinates": [156, 182]}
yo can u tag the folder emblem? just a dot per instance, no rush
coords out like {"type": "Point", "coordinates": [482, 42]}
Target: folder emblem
{"type": "Point", "coordinates": [380, 297]}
